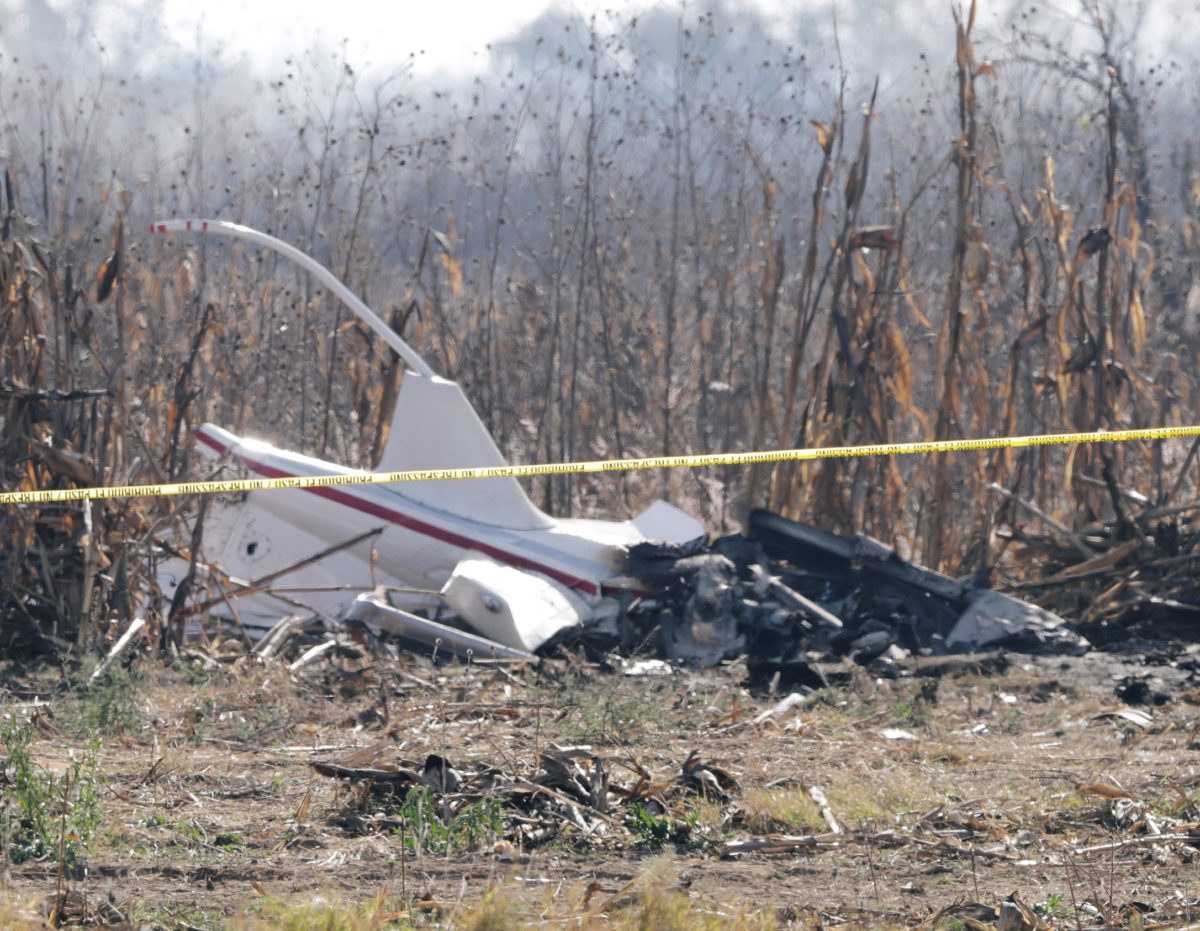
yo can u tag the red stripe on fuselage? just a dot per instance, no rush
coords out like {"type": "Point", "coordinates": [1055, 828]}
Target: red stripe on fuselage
{"type": "Point", "coordinates": [412, 523]}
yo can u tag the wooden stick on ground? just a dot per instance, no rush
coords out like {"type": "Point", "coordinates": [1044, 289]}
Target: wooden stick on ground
{"type": "Point", "coordinates": [818, 796]}
{"type": "Point", "coordinates": [1142, 841]}
{"type": "Point", "coordinates": [1073, 538]}
{"type": "Point", "coordinates": [312, 654]}
{"type": "Point", "coordinates": [133, 633]}
{"type": "Point", "coordinates": [277, 636]}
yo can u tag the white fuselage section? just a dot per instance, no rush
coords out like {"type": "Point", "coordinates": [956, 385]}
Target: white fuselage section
{"type": "Point", "coordinates": [416, 551]}
{"type": "Point", "coordinates": [511, 571]}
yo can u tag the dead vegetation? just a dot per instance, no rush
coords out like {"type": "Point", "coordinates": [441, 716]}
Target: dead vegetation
{"type": "Point", "coordinates": [810, 280]}
{"type": "Point", "coordinates": [695, 265]}
{"type": "Point", "coordinates": [372, 792]}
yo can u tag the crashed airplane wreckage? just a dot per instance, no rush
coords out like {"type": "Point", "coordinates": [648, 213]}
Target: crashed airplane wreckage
{"type": "Point", "coordinates": [515, 575]}
{"type": "Point", "coordinates": [790, 597]}
{"type": "Point", "coordinates": [785, 593]}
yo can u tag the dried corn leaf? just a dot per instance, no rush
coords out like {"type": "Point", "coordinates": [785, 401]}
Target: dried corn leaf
{"type": "Point", "coordinates": [824, 136]}
{"type": "Point", "coordinates": [1105, 790]}
{"type": "Point", "coordinates": [1137, 322]}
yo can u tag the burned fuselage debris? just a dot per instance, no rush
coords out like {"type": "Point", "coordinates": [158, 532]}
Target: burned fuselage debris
{"type": "Point", "coordinates": [783, 594]}
{"type": "Point", "coordinates": [789, 596]}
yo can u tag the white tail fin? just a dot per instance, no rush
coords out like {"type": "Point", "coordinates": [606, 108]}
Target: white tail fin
{"type": "Point", "coordinates": [435, 427]}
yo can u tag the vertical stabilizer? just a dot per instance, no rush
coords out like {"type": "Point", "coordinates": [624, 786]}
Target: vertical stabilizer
{"type": "Point", "coordinates": [435, 427]}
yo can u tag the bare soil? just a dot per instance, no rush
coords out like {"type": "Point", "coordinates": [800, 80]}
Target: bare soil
{"type": "Point", "coordinates": [950, 795]}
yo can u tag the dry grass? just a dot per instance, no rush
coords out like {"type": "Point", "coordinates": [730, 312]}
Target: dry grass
{"type": "Point", "coordinates": [784, 809]}
{"type": "Point", "coordinates": [324, 911]}
{"type": "Point", "coordinates": [884, 792]}
{"type": "Point", "coordinates": [22, 911]}
{"type": "Point", "coordinates": [226, 826]}
{"type": "Point", "coordinates": [652, 900]}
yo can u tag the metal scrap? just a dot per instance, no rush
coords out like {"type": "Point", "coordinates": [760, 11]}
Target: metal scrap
{"type": "Point", "coordinates": [797, 603]}
{"type": "Point", "coordinates": [790, 597]}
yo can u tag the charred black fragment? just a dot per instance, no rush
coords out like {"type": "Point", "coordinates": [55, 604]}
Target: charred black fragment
{"type": "Point", "coordinates": [790, 597]}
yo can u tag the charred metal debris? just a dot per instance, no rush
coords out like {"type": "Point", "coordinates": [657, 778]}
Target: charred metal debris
{"type": "Point", "coordinates": [788, 597]}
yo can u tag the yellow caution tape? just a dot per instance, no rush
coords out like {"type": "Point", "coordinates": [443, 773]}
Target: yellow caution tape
{"type": "Point", "coordinates": [579, 468]}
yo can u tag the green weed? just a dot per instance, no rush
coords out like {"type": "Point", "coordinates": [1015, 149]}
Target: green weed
{"type": "Point", "coordinates": [1053, 907]}
{"type": "Point", "coordinates": [45, 813]}
{"type": "Point", "coordinates": [431, 827]}
{"type": "Point", "coordinates": [190, 831]}
{"type": "Point", "coordinates": [652, 832]}
{"type": "Point", "coordinates": [621, 715]}
{"type": "Point", "coordinates": [913, 712]}
{"type": "Point", "coordinates": [229, 841]}
{"type": "Point", "coordinates": [110, 705]}
{"type": "Point", "coordinates": [270, 722]}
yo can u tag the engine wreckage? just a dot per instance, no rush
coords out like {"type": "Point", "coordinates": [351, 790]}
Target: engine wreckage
{"type": "Point", "coordinates": [475, 569]}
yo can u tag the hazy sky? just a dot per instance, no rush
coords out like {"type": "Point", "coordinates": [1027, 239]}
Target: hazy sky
{"type": "Point", "coordinates": [451, 36]}
{"type": "Point", "coordinates": [443, 35]}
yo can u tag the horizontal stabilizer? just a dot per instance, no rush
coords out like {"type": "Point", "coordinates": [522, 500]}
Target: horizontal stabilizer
{"type": "Point", "coordinates": [422, 635]}
{"type": "Point", "coordinates": [665, 523]}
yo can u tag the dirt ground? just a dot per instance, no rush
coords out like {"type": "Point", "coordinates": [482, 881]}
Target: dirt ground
{"type": "Point", "coordinates": [1011, 798]}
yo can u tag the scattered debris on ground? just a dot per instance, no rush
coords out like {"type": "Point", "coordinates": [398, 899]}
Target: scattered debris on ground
{"type": "Point", "coordinates": [791, 597]}
{"type": "Point", "coordinates": [1125, 585]}
{"type": "Point", "coordinates": [797, 601]}
{"type": "Point", "coordinates": [239, 778]}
